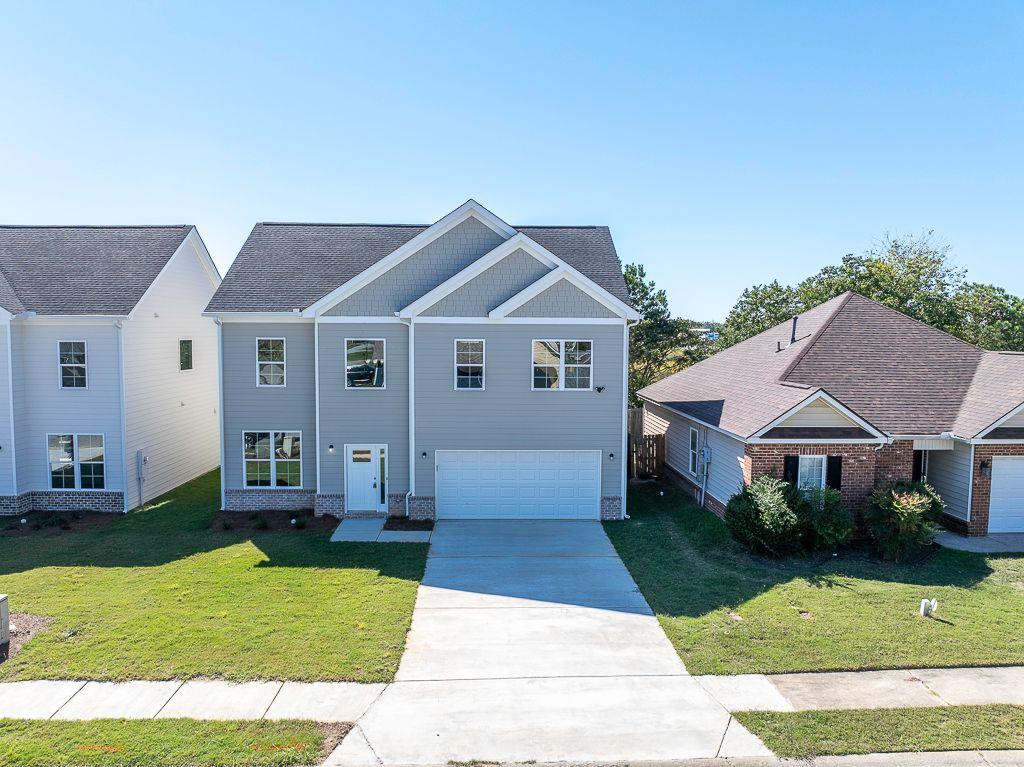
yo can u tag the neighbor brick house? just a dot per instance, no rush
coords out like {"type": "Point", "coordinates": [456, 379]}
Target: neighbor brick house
{"type": "Point", "coordinates": [852, 395]}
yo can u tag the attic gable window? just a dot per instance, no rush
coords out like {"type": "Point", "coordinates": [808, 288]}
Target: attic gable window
{"type": "Point", "coordinates": [72, 360]}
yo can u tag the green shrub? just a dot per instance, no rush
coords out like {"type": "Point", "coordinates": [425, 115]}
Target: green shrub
{"type": "Point", "coordinates": [761, 518]}
{"type": "Point", "coordinates": [826, 522]}
{"type": "Point", "coordinates": [901, 518]}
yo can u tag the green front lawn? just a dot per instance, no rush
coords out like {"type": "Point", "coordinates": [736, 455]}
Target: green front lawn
{"type": "Point", "coordinates": [164, 594]}
{"type": "Point", "coordinates": [163, 743]}
{"type": "Point", "coordinates": [808, 734]}
{"type": "Point", "coordinates": [728, 612]}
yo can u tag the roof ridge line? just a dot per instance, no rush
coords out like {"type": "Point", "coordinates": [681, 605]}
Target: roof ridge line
{"type": "Point", "coordinates": [97, 226]}
{"type": "Point", "coordinates": [815, 336]}
{"type": "Point", "coordinates": [922, 323]}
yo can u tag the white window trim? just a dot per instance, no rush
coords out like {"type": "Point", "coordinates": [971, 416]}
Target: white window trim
{"type": "Point", "coordinates": [693, 451]}
{"type": "Point", "coordinates": [189, 370]}
{"type": "Point", "coordinates": [824, 469]}
{"type": "Point", "coordinates": [273, 460]}
{"type": "Point", "coordinates": [483, 365]}
{"type": "Point", "coordinates": [561, 364]}
{"type": "Point", "coordinates": [76, 463]}
{"type": "Point", "coordinates": [284, 363]}
{"type": "Point", "coordinates": [344, 364]}
{"type": "Point", "coordinates": [60, 366]}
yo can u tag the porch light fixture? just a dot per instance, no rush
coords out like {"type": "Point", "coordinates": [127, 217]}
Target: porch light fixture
{"type": "Point", "coordinates": [423, 454]}
{"type": "Point", "coordinates": [330, 448]}
{"type": "Point", "coordinates": [986, 467]}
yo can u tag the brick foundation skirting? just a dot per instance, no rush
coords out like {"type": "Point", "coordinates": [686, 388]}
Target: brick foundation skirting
{"type": "Point", "coordinates": [269, 499]}
{"type": "Point", "coordinates": [422, 507]}
{"type": "Point", "coordinates": [711, 503]}
{"type": "Point", "coordinates": [106, 501]}
{"type": "Point", "coordinates": [329, 503]}
{"type": "Point", "coordinates": [611, 507]}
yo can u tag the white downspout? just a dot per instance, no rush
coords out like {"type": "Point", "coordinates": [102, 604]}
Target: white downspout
{"type": "Point", "coordinates": [220, 404]}
{"type": "Point", "coordinates": [10, 404]}
{"type": "Point", "coordinates": [412, 414]}
{"type": "Point", "coordinates": [119, 324]}
{"type": "Point", "coordinates": [624, 455]}
{"type": "Point", "coordinates": [316, 396]}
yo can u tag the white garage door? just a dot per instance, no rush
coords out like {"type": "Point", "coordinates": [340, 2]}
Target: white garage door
{"type": "Point", "coordinates": [518, 484]}
{"type": "Point", "coordinates": [1006, 503]}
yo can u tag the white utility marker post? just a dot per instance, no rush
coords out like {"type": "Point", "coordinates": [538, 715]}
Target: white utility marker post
{"type": "Point", "coordinates": [5, 621]}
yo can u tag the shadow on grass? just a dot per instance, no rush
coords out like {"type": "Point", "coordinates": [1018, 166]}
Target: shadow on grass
{"type": "Point", "coordinates": [687, 564]}
{"type": "Point", "coordinates": [177, 525]}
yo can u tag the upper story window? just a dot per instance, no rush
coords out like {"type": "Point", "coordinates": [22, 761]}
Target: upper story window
{"type": "Point", "coordinates": [272, 458]}
{"type": "Point", "coordinates": [469, 364]}
{"type": "Point", "coordinates": [270, 362]}
{"type": "Point", "coordinates": [71, 356]}
{"type": "Point", "coordinates": [76, 461]}
{"type": "Point", "coordinates": [185, 354]}
{"type": "Point", "coordinates": [562, 365]}
{"type": "Point", "coordinates": [364, 363]}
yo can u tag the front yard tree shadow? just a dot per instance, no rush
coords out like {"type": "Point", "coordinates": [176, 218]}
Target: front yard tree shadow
{"type": "Point", "coordinates": [727, 611]}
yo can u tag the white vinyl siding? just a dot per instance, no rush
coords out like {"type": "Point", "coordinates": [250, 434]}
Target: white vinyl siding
{"type": "Point", "coordinates": [949, 472]}
{"type": "Point", "coordinates": [817, 414]}
{"type": "Point", "coordinates": [7, 453]}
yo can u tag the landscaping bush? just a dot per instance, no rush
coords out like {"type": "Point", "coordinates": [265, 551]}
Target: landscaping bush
{"type": "Point", "coordinates": [901, 518]}
{"type": "Point", "coordinates": [826, 522]}
{"type": "Point", "coordinates": [761, 517]}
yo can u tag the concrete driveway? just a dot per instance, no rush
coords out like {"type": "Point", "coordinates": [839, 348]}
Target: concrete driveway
{"type": "Point", "coordinates": [530, 641]}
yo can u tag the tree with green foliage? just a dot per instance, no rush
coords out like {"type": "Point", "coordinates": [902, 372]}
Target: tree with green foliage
{"type": "Point", "coordinates": [914, 275]}
{"type": "Point", "coordinates": [659, 344]}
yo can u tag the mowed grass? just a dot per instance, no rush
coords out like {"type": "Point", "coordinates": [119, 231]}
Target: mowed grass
{"type": "Point", "coordinates": [727, 612]}
{"type": "Point", "coordinates": [158, 594]}
{"type": "Point", "coordinates": [808, 734]}
{"type": "Point", "coordinates": [161, 743]}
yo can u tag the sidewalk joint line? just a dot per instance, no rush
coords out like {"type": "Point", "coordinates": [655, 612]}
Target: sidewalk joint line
{"type": "Point", "coordinates": [280, 686]}
{"type": "Point", "coordinates": [62, 705]}
{"type": "Point", "coordinates": [169, 697]}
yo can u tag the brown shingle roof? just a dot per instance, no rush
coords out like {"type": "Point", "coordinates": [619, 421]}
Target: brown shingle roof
{"type": "Point", "coordinates": [902, 376]}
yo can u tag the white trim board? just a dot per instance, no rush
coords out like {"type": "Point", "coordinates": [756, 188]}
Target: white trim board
{"type": "Point", "coordinates": [192, 241]}
{"type": "Point", "coordinates": [1000, 421]}
{"type": "Point", "coordinates": [469, 209]}
{"type": "Point", "coordinates": [565, 272]}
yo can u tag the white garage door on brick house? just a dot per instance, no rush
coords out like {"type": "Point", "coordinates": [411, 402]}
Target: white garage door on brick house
{"type": "Point", "coordinates": [1006, 501]}
{"type": "Point", "coordinates": [518, 484]}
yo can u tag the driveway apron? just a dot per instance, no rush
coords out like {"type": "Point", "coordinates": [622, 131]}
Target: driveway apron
{"type": "Point", "coordinates": [530, 641]}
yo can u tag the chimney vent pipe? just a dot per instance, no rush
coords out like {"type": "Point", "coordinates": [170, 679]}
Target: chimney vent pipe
{"type": "Point", "coordinates": [792, 336]}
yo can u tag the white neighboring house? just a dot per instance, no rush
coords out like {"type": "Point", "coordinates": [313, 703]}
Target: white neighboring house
{"type": "Point", "coordinates": [108, 370]}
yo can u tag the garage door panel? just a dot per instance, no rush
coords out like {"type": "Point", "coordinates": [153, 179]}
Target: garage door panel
{"type": "Point", "coordinates": [523, 484]}
{"type": "Point", "coordinates": [1006, 499]}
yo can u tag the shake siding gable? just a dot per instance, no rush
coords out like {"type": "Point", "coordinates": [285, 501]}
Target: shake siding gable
{"type": "Point", "coordinates": [420, 272]}
{"type": "Point", "coordinates": [171, 415]}
{"type": "Point", "coordinates": [251, 408]}
{"type": "Point", "coordinates": [563, 299]}
{"type": "Point", "coordinates": [493, 287]}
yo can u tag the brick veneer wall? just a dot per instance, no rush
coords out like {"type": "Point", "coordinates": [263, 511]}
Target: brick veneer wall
{"type": "Point", "coordinates": [611, 507]}
{"type": "Point", "coordinates": [269, 499]}
{"type": "Point", "coordinates": [422, 507]}
{"type": "Point", "coordinates": [981, 490]}
{"type": "Point", "coordinates": [711, 503]}
{"type": "Point", "coordinates": [865, 467]}
{"type": "Point", "coordinates": [106, 501]}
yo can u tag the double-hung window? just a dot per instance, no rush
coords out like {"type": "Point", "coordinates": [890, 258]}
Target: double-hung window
{"type": "Point", "coordinates": [694, 451]}
{"type": "Point", "coordinates": [563, 365]}
{"type": "Point", "coordinates": [272, 458]}
{"type": "Point", "coordinates": [270, 362]}
{"type": "Point", "coordinates": [469, 364]}
{"type": "Point", "coordinates": [75, 461]}
{"type": "Point", "coordinates": [185, 354]}
{"type": "Point", "coordinates": [811, 473]}
{"type": "Point", "coordinates": [364, 363]}
{"type": "Point", "coordinates": [71, 358]}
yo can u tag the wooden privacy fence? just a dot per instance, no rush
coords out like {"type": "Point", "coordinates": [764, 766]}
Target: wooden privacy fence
{"type": "Point", "coordinates": [646, 451]}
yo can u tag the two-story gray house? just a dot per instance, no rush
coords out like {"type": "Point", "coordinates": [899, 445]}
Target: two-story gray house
{"type": "Point", "coordinates": [466, 369]}
{"type": "Point", "coordinates": [108, 370]}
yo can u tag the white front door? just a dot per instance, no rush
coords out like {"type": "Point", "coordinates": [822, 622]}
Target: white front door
{"type": "Point", "coordinates": [1006, 499]}
{"type": "Point", "coordinates": [366, 478]}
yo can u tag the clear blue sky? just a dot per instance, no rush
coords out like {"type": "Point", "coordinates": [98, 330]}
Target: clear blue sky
{"type": "Point", "coordinates": [725, 143]}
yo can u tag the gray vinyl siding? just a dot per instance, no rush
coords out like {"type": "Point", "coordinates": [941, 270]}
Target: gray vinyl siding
{"type": "Point", "coordinates": [43, 407]}
{"type": "Point", "coordinates": [491, 288]}
{"type": "Point", "coordinates": [949, 472]}
{"type": "Point", "coordinates": [725, 475]}
{"type": "Point", "coordinates": [508, 414]}
{"type": "Point", "coordinates": [251, 408]}
{"type": "Point", "coordinates": [368, 416]}
{"type": "Point", "coordinates": [7, 453]}
{"type": "Point", "coordinates": [421, 272]}
{"type": "Point", "coordinates": [563, 299]}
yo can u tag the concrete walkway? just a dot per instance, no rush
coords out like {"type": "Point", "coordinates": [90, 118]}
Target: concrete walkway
{"type": "Point", "coordinates": [530, 641]}
{"type": "Point", "coordinates": [993, 543]}
{"type": "Point", "coordinates": [371, 529]}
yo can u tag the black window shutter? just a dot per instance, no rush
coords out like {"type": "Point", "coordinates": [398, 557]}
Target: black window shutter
{"type": "Point", "coordinates": [918, 466]}
{"type": "Point", "coordinates": [791, 468]}
{"type": "Point", "coordinates": [834, 472]}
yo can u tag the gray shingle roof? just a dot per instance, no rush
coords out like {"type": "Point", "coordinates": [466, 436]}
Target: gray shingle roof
{"type": "Point", "coordinates": [290, 266]}
{"type": "Point", "coordinates": [82, 269]}
{"type": "Point", "coordinates": [902, 376]}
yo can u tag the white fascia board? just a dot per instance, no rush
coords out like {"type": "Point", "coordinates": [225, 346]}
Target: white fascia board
{"type": "Point", "coordinates": [821, 394]}
{"type": "Point", "coordinates": [5, 316]}
{"type": "Point", "coordinates": [192, 243]}
{"type": "Point", "coordinates": [565, 272]}
{"type": "Point", "coordinates": [470, 208]}
{"type": "Point", "coordinates": [293, 316]}
{"type": "Point", "coordinates": [1003, 419]}
{"type": "Point", "coordinates": [69, 319]}
{"type": "Point", "coordinates": [519, 241]}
